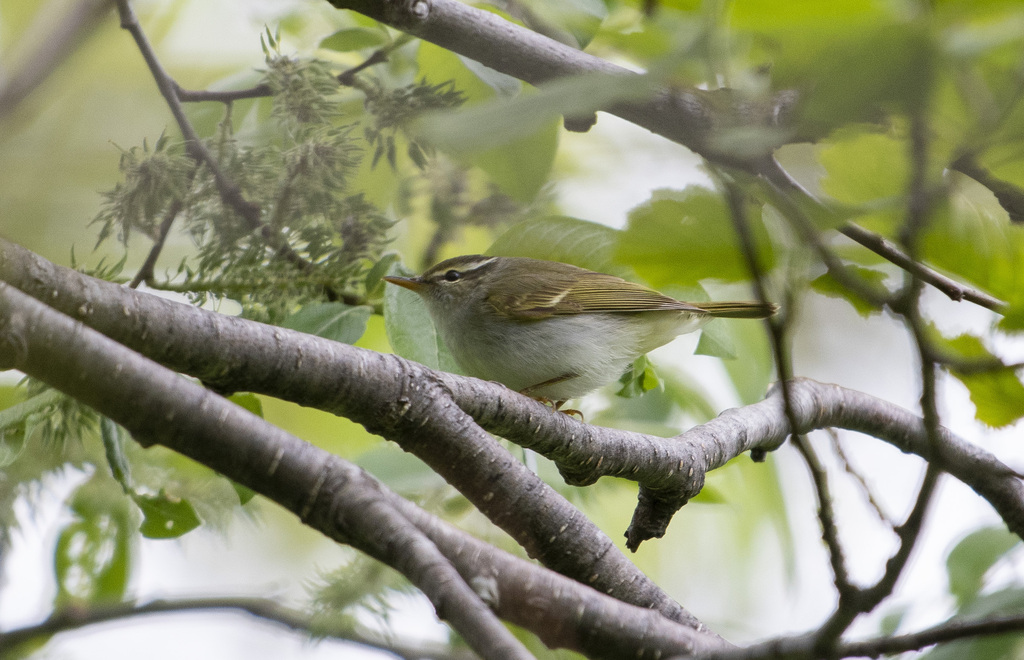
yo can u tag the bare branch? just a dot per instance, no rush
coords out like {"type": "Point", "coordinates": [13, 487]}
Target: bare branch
{"type": "Point", "coordinates": [802, 648]}
{"type": "Point", "coordinates": [792, 194]}
{"type": "Point", "coordinates": [330, 495]}
{"type": "Point", "coordinates": [229, 191]}
{"type": "Point", "coordinates": [235, 354]}
{"type": "Point", "coordinates": [261, 608]}
{"type": "Point", "coordinates": [384, 392]}
{"type": "Point", "coordinates": [876, 506]}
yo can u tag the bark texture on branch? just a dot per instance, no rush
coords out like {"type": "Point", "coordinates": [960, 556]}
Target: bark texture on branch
{"type": "Point", "coordinates": [332, 495]}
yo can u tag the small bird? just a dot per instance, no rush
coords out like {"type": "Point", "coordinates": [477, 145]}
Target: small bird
{"type": "Point", "coordinates": [552, 330]}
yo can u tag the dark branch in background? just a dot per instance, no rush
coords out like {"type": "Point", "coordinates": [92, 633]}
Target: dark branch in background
{"type": "Point", "coordinates": [229, 191]}
{"type": "Point", "coordinates": [383, 392]}
{"type": "Point", "coordinates": [332, 496]}
{"type": "Point", "coordinates": [789, 191]}
{"type": "Point", "coordinates": [346, 77]}
{"type": "Point", "coordinates": [948, 286]}
{"type": "Point", "coordinates": [803, 648]}
{"type": "Point", "coordinates": [690, 117]}
{"type": "Point", "coordinates": [1010, 196]}
{"type": "Point", "coordinates": [906, 303]}
{"type": "Point", "coordinates": [837, 447]}
{"type": "Point", "coordinates": [73, 618]}
{"type": "Point", "coordinates": [76, 24]}
{"type": "Point", "coordinates": [777, 331]}
{"type": "Point", "coordinates": [146, 272]}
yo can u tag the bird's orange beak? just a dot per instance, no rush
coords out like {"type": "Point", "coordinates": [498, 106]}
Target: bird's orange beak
{"type": "Point", "coordinates": [411, 283]}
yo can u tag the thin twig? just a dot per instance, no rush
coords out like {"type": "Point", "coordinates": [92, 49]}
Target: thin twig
{"type": "Point", "coordinates": [876, 506]}
{"type": "Point", "coordinates": [906, 303]}
{"type": "Point", "coordinates": [346, 78]}
{"type": "Point", "coordinates": [229, 191]}
{"type": "Point", "coordinates": [777, 330]}
{"type": "Point", "coordinates": [146, 272]}
{"type": "Point", "coordinates": [784, 184]}
{"type": "Point", "coordinates": [73, 618]}
{"type": "Point", "coordinates": [802, 647]}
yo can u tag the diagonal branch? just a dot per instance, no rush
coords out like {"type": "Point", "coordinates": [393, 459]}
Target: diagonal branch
{"type": "Point", "coordinates": [325, 492]}
{"type": "Point", "coordinates": [401, 400]}
{"type": "Point", "coordinates": [235, 354]}
{"type": "Point", "coordinates": [230, 193]}
{"type": "Point", "coordinates": [332, 496]}
{"type": "Point", "coordinates": [692, 117]}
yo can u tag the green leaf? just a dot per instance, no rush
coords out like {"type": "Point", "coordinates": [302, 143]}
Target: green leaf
{"type": "Point", "coordinates": [973, 556]}
{"type": "Point", "coordinates": [355, 38]}
{"type": "Point", "coordinates": [14, 422]}
{"type": "Point", "coordinates": [716, 342]}
{"type": "Point", "coordinates": [754, 366]}
{"type": "Point", "coordinates": [861, 167]}
{"type": "Point", "coordinates": [92, 557]}
{"type": "Point", "coordinates": [245, 494]}
{"type": "Point", "coordinates": [12, 443]}
{"type": "Point", "coordinates": [166, 517]}
{"type": "Point", "coordinates": [249, 401]}
{"type": "Point", "coordinates": [768, 14]}
{"type": "Point", "coordinates": [113, 445]}
{"type": "Point", "coordinates": [561, 238]}
{"type": "Point", "coordinates": [683, 237]}
{"type": "Point", "coordinates": [331, 320]}
{"type": "Point", "coordinates": [488, 125]}
{"type": "Point", "coordinates": [576, 20]}
{"type": "Point", "coordinates": [400, 470]}
{"type": "Point", "coordinates": [375, 276]}
{"type": "Point", "coordinates": [521, 167]}
{"type": "Point", "coordinates": [638, 379]}
{"type": "Point", "coordinates": [998, 395]}
{"type": "Point", "coordinates": [892, 621]}
{"type": "Point", "coordinates": [438, 65]}
{"type": "Point", "coordinates": [410, 331]}
{"type": "Point", "coordinates": [831, 287]}
{"type": "Point", "coordinates": [974, 239]}
{"type": "Point", "coordinates": [709, 495]}
{"type": "Point", "coordinates": [852, 73]}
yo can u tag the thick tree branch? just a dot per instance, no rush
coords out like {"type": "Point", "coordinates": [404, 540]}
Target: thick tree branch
{"type": "Point", "coordinates": [235, 354]}
{"type": "Point", "coordinates": [694, 118]}
{"type": "Point", "coordinates": [377, 390]}
{"type": "Point", "coordinates": [327, 493]}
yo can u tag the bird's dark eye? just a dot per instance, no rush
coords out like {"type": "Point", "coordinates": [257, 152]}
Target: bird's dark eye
{"type": "Point", "coordinates": [452, 276]}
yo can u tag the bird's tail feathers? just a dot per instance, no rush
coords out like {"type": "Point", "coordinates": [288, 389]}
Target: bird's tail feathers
{"type": "Point", "coordinates": [739, 310]}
